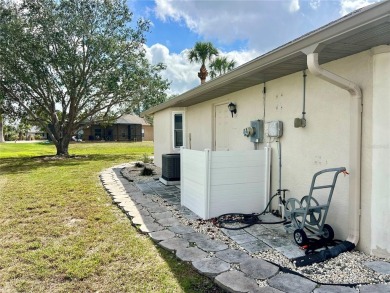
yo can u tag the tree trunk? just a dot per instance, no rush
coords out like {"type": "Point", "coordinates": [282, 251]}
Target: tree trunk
{"type": "Point", "coordinates": [62, 146]}
{"type": "Point", "coordinates": [202, 74]}
{"type": "Point", "coordinates": [1, 129]}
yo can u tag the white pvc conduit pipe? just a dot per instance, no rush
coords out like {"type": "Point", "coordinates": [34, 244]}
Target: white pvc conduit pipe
{"type": "Point", "coordinates": [355, 141]}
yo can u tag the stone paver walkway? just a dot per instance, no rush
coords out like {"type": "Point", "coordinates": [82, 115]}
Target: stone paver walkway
{"type": "Point", "coordinates": [232, 270]}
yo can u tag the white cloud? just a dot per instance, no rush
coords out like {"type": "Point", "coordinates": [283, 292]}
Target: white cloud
{"type": "Point", "coordinates": [347, 6]}
{"type": "Point", "coordinates": [226, 21]}
{"type": "Point", "coordinates": [262, 25]}
{"type": "Point", "coordinates": [315, 4]}
{"type": "Point", "coordinates": [294, 6]}
{"type": "Point", "coordinates": [182, 73]}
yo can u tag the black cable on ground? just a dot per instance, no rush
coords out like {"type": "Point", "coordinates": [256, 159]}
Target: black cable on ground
{"type": "Point", "coordinates": [269, 202]}
{"type": "Point", "coordinates": [348, 245]}
{"type": "Point", "coordinates": [244, 220]}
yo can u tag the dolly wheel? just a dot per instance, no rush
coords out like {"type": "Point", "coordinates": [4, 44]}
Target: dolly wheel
{"type": "Point", "coordinates": [300, 237]}
{"type": "Point", "coordinates": [328, 232]}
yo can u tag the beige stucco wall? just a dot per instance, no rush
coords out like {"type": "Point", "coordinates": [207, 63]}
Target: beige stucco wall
{"type": "Point", "coordinates": [379, 148]}
{"type": "Point", "coordinates": [323, 143]}
{"type": "Point", "coordinates": [162, 125]}
{"type": "Point", "coordinates": [148, 133]}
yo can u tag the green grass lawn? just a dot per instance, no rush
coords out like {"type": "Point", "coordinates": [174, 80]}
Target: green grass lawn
{"type": "Point", "coordinates": [60, 232]}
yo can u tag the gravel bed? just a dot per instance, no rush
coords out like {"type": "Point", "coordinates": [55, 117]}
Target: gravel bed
{"type": "Point", "coordinates": [347, 268]}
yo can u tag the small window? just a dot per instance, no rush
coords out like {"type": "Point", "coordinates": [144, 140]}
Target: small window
{"type": "Point", "coordinates": [178, 130]}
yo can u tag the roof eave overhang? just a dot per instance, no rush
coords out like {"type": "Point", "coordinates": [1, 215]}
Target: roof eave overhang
{"type": "Point", "coordinates": [325, 36]}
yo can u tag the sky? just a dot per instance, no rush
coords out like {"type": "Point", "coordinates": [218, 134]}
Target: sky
{"type": "Point", "coordinates": [241, 29]}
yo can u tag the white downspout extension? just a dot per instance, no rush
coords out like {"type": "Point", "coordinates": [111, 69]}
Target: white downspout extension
{"type": "Point", "coordinates": [355, 140]}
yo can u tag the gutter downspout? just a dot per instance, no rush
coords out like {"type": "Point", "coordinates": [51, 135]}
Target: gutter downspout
{"type": "Point", "coordinates": [356, 107]}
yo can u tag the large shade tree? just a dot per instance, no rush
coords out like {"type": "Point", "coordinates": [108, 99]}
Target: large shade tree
{"type": "Point", "coordinates": [202, 52]}
{"type": "Point", "coordinates": [1, 118]}
{"type": "Point", "coordinates": [66, 62]}
{"type": "Point", "coordinates": [221, 65]}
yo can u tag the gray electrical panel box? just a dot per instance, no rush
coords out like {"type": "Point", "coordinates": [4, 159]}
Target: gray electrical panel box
{"type": "Point", "coordinates": [275, 129]}
{"type": "Point", "coordinates": [256, 131]}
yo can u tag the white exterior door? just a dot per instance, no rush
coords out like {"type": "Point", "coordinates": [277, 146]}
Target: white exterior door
{"type": "Point", "coordinates": [222, 121]}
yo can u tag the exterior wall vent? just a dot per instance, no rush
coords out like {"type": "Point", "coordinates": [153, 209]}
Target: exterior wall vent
{"type": "Point", "coordinates": [170, 170]}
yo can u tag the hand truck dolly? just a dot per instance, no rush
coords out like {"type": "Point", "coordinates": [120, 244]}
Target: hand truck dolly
{"type": "Point", "coordinates": [309, 214]}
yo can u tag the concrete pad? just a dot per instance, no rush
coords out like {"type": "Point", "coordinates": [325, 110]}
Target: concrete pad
{"type": "Point", "coordinates": [131, 189]}
{"type": "Point", "coordinates": [268, 217]}
{"type": "Point", "coordinates": [168, 222]}
{"type": "Point", "coordinates": [211, 245]}
{"type": "Point", "coordinates": [195, 237]}
{"type": "Point", "coordinates": [381, 267]}
{"type": "Point", "coordinates": [232, 255]}
{"type": "Point", "coordinates": [290, 283]}
{"type": "Point", "coordinates": [135, 193]}
{"type": "Point", "coordinates": [236, 282]}
{"type": "Point", "coordinates": [334, 289]}
{"type": "Point", "coordinates": [144, 187]}
{"type": "Point", "coordinates": [211, 267]}
{"type": "Point", "coordinates": [191, 254]}
{"type": "Point", "coordinates": [228, 232]}
{"type": "Point", "coordinates": [276, 240]}
{"type": "Point", "coordinates": [163, 215]}
{"type": "Point", "coordinates": [181, 229]}
{"type": "Point", "coordinates": [256, 230]}
{"type": "Point", "coordinates": [243, 238]}
{"type": "Point", "coordinates": [173, 201]}
{"type": "Point", "coordinates": [174, 244]}
{"type": "Point", "coordinates": [162, 235]}
{"type": "Point", "coordinates": [291, 251]}
{"type": "Point", "coordinates": [188, 214]}
{"type": "Point", "coordinates": [258, 268]}
{"type": "Point", "coordinates": [144, 212]}
{"type": "Point", "coordinates": [157, 209]}
{"type": "Point", "coordinates": [143, 200]}
{"type": "Point", "coordinates": [377, 288]}
{"type": "Point", "coordinates": [256, 246]}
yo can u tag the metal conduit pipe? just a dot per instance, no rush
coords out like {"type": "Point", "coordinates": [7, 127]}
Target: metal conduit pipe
{"type": "Point", "coordinates": [355, 141]}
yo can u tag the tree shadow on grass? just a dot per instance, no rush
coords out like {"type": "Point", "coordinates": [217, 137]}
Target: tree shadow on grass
{"type": "Point", "coordinates": [22, 165]}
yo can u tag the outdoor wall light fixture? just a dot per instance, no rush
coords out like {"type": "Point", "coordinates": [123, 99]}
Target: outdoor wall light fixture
{"type": "Point", "coordinates": [232, 108]}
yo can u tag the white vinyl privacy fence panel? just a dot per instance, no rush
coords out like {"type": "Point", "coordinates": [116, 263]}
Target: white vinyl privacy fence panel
{"type": "Point", "coordinates": [216, 183]}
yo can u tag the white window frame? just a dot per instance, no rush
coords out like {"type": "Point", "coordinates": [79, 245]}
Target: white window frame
{"type": "Point", "coordinates": [173, 129]}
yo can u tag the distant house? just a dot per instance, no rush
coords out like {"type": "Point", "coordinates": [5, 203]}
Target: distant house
{"type": "Point", "coordinates": [35, 133]}
{"type": "Point", "coordinates": [126, 128]}
{"type": "Point", "coordinates": [331, 90]}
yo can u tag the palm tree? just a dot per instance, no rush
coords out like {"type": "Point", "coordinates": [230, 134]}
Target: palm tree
{"type": "Point", "coordinates": [221, 65]}
{"type": "Point", "coordinates": [201, 52]}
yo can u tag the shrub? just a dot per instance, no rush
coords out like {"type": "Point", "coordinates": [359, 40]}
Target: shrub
{"type": "Point", "coordinates": [146, 159]}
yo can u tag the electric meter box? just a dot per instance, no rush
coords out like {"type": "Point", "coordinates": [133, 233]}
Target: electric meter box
{"type": "Point", "coordinates": [275, 129]}
{"type": "Point", "coordinates": [258, 135]}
